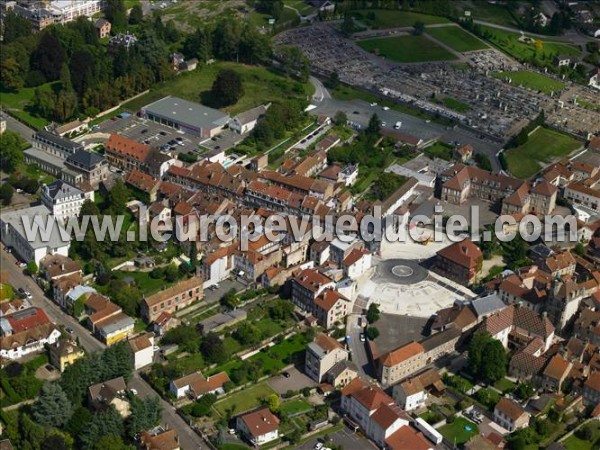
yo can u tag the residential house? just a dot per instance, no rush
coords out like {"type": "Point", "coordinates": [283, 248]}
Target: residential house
{"type": "Point", "coordinates": [587, 326]}
{"type": "Point", "coordinates": [555, 373]}
{"type": "Point", "coordinates": [112, 392]}
{"type": "Point", "coordinates": [341, 374]}
{"type": "Point", "coordinates": [216, 266]}
{"type": "Point", "coordinates": [405, 438]}
{"type": "Point", "coordinates": [400, 363]}
{"type": "Point", "coordinates": [410, 394]}
{"type": "Point", "coordinates": [510, 415]}
{"type": "Point", "coordinates": [142, 349]}
{"type": "Point", "coordinates": [102, 27]}
{"type": "Point", "coordinates": [195, 385]}
{"type": "Point", "coordinates": [259, 427]}
{"type": "Point", "coordinates": [106, 320]}
{"type": "Point", "coordinates": [461, 261]}
{"type": "Point", "coordinates": [357, 263]}
{"type": "Point", "coordinates": [172, 299]}
{"type": "Point", "coordinates": [63, 200]}
{"type": "Point", "coordinates": [83, 167]}
{"type": "Point", "coordinates": [26, 331]}
{"type": "Point", "coordinates": [63, 353]}
{"type": "Point", "coordinates": [159, 439]}
{"type": "Point", "coordinates": [55, 267]}
{"type": "Point", "coordinates": [463, 154]}
{"type": "Point", "coordinates": [591, 390]}
{"type": "Point", "coordinates": [246, 121]}
{"type": "Point", "coordinates": [165, 322]}
{"type": "Point", "coordinates": [143, 183]}
{"type": "Point", "coordinates": [322, 354]}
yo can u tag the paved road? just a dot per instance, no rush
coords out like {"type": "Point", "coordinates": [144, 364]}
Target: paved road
{"type": "Point", "coordinates": [321, 92]}
{"type": "Point", "coordinates": [19, 279]}
{"type": "Point", "coordinates": [188, 439]}
{"type": "Point", "coordinates": [16, 126]}
{"type": "Point", "coordinates": [357, 348]}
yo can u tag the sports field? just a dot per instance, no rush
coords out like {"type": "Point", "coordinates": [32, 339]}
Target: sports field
{"type": "Point", "coordinates": [407, 49]}
{"type": "Point", "coordinates": [542, 147]}
{"type": "Point", "coordinates": [456, 38]}
{"type": "Point", "coordinates": [381, 18]}
{"type": "Point", "coordinates": [532, 80]}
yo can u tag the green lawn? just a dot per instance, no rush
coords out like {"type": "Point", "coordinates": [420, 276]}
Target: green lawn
{"type": "Point", "coordinates": [407, 49]}
{"type": "Point", "coordinates": [261, 85]}
{"type": "Point", "coordinates": [531, 80]}
{"type": "Point", "coordinates": [144, 281]}
{"type": "Point", "coordinates": [455, 432]}
{"type": "Point", "coordinates": [455, 105]}
{"type": "Point", "coordinates": [395, 19]}
{"type": "Point", "coordinates": [18, 103]}
{"type": "Point", "coordinates": [233, 447]}
{"type": "Point", "coordinates": [542, 147]}
{"type": "Point", "coordinates": [244, 400]}
{"type": "Point", "coordinates": [457, 38]}
{"type": "Point", "coordinates": [490, 12]}
{"type": "Point", "coordinates": [509, 43]}
{"type": "Point", "coordinates": [439, 150]}
{"type": "Point", "coordinates": [295, 407]}
{"type": "Point", "coordinates": [504, 384]}
{"type": "Point", "coordinates": [576, 443]}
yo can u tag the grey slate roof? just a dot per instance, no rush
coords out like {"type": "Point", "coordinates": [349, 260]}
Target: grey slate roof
{"type": "Point", "coordinates": [487, 305]}
{"type": "Point", "coordinates": [186, 112]}
{"type": "Point", "coordinates": [85, 159]}
{"type": "Point", "coordinates": [59, 189]}
{"type": "Point", "coordinates": [251, 114]}
{"type": "Point", "coordinates": [437, 339]}
{"type": "Point", "coordinates": [58, 141]}
{"type": "Point", "coordinates": [340, 366]}
{"type": "Point", "coordinates": [16, 217]}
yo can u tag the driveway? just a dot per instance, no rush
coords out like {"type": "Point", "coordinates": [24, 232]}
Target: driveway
{"type": "Point", "coordinates": [358, 349]}
{"type": "Point", "coordinates": [346, 438]}
{"type": "Point", "coordinates": [296, 382]}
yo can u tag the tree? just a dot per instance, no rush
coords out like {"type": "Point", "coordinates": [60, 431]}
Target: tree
{"type": "Point", "coordinates": [202, 407]}
{"type": "Point", "coordinates": [487, 357]}
{"type": "Point", "coordinates": [333, 81]}
{"type": "Point", "coordinates": [32, 268]}
{"type": "Point", "coordinates": [145, 414]}
{"type": "Point", "coordinates": [105, 424]}
{"type": "Point", "coordinates": [53, 408]}
{"type": "Point", "coordinates": [227, 88]}
{"type": "Point", "coordinates": [213, 350]}
{"type": "Point", "coordinates": [49, 56]}
{"type": "Point", "coordinates": [15, 26]}
{"type": "Point", "coordinates": [116, 14]}
{"type": "Point", "coordinates": [347, 26]}
{"type": "Point", "coordinates": [230, 300]}
{"type": "Point", "coordinates": [111, 442]}
{"type": "Point", "coordinates": [374, 126]}
{"type": "Point", "coordinates": [185, 336]}
{"type": "Point", "coordinates": [418, 28]}
{"type": "Point", "coordinates": [6, 193]}
{"type": "Point", "coordinates": [372, 333]}
{"type": "Point", "coordinates": [136, 15]}
{"type": "Point", "coordinates": [294, 62]}
{"type": "Point", "coordinates": [340, 118]}
{"type": "Point", "coordinates": [373, 313]}
{"type": "Point", "coordinates": [57, 441]}
{"type": "Point", "coordinates": [118, 196]}
{"type": "Point", "coordinates": [11, 151]}
{"type": "Point", "coordinates": [525, 391]}
{"type": "Point", "coordinates": [273, 402]}
{"type": "Point", "coordinates": [11, 74]}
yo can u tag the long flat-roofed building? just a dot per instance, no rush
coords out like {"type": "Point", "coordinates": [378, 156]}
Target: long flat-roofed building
{"type": "Point", "coordinates": [187, 116]}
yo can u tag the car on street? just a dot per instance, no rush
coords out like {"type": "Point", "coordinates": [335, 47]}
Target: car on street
{"type": "Point", "coordinates": [69, 330]}
{"type": "Point", "coordinates": [362, 337]}
{"type": "Point", "coordinates": [162, 133]}
{"type": "Point", "coordinates": [374, 104]}
{"type": "Point", "coordinates": [231, 431]}
{"type": "Point", "coordinates": [386, 108]}
{"type": "Point", "coordinates": [133, 391]}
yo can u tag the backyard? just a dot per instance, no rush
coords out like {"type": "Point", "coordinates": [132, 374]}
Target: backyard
{"type": "Point", "coordinates": [576, 442]}
{"type": "Point", "coordinates": [406, 49]}
{"type": "Point", "coordinates": [542, 147]}
{"type": "Point", "coordinates": [439, 150]}
{"type": "Point", "coordinates": [456, 38]}
{"type": "Point", "coordinates": [531, 80]}
{"type": "Point", "coordinates": [244, 400]}
{"type": "Point", "coordinates": [459, 431]}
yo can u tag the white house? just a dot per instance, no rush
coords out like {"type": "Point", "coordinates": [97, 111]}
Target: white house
{"type": "Point", "coordinates": [17, 230]}
{"type": "Point", "coordinates": [246, 121]}
{"type": "Point", "coordinates": [216, 266]}
{"type": "Point", "coordinates": [63, 200]}
{"type": "Point", "coordinates": [259, 427]}
{"type": "Point", "coordinates": [595, 79]}
{"type": "Point", "coordinates": [195, 385]}
{"type": "Point", "coordinates": [26, 331]}
{"type": "Point", "coordinates": [142, 348]}
{"type": "Point", "coordinates": [357, 263]}
{"type": "Point", "coordinates": [410, 394]}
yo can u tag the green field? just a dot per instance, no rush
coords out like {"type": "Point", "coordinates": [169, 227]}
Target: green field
{"type": "Point", "coordinates": [407, 49]}
{"type": "Point", "coordinates": [394, 19]}
{"type": "Point", "coordinates": [244, 400]}
{"type": "Point", "coordinates": [490, 12]}
{"type": "Point", "coordinates": [542, 147]}
{"type": "Point", "coordinates": [457, 38]}
{"type": "Point", "coordinates": [18, 105]}
{"type": "Point", "coordinates": [455, 432]}
{"type": "Point", "coordinates": [531, 80]}
{"type": "Point", "coordinates": [261, 85]}
{"type": "Point", "coordinates": [509, 43]}
{"type": "Point", "coordinates": [439, 150]}
{"type": "Point", "coordinates": [295, 407]}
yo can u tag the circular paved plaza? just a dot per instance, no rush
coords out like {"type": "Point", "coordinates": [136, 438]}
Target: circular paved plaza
{"type": "Point", "coordinates": [400, 271]}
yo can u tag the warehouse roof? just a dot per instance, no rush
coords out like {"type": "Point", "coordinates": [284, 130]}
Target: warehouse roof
{"type": "Point", "coordinates": [189, 113]}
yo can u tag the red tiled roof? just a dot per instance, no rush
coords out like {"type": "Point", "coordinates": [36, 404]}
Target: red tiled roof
{"type": "Point", "coordinates": [406, 438]}
{"type": "Point", "coordinates": [464, 253]}
{"type": "Point", "coordinates": [27, 319]}
{"type": "Point", "coordinates": [557, 368]}
{"type": "Point", "coordinates": [260, 422]}
{"type": "Point", "coordinates": [509, 408]}
{"type": "Point", "coordinates": [122, 145]}
{"type": "Point", "coordinates": [401, 354]}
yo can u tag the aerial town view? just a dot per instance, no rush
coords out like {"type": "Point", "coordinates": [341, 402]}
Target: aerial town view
{"type": "Point", "coordinates": [300, 224]}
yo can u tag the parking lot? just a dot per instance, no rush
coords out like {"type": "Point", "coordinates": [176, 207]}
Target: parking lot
{"type": "Point", "coordinates": [151, 133]}
{"type": "Point", "coordinates": [224, 141]}
{"type": "Point", "coordinates": [345, 437]}
{"type": "Point", "coordinates": [296, 381]}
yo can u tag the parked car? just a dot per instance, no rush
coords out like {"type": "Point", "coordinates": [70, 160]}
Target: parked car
{"type": "Point", "coordinates": [362, 337]}
{"type": "Point", "coordinates": [162, 133]}
{"type": "Point", "coordinates": [69, 330]}
{"type": "Point", "coordinates": [286, 374]}
{"type": "Point", "coordinates": [179, 138]}
{"type": "Point", "coordinates": [144, 131]}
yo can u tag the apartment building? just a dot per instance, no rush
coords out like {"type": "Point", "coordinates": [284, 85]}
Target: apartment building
{"type": "Point", "coordinates": [172, 299]}
{"type": "Point", "coordinates": [322, 354]}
